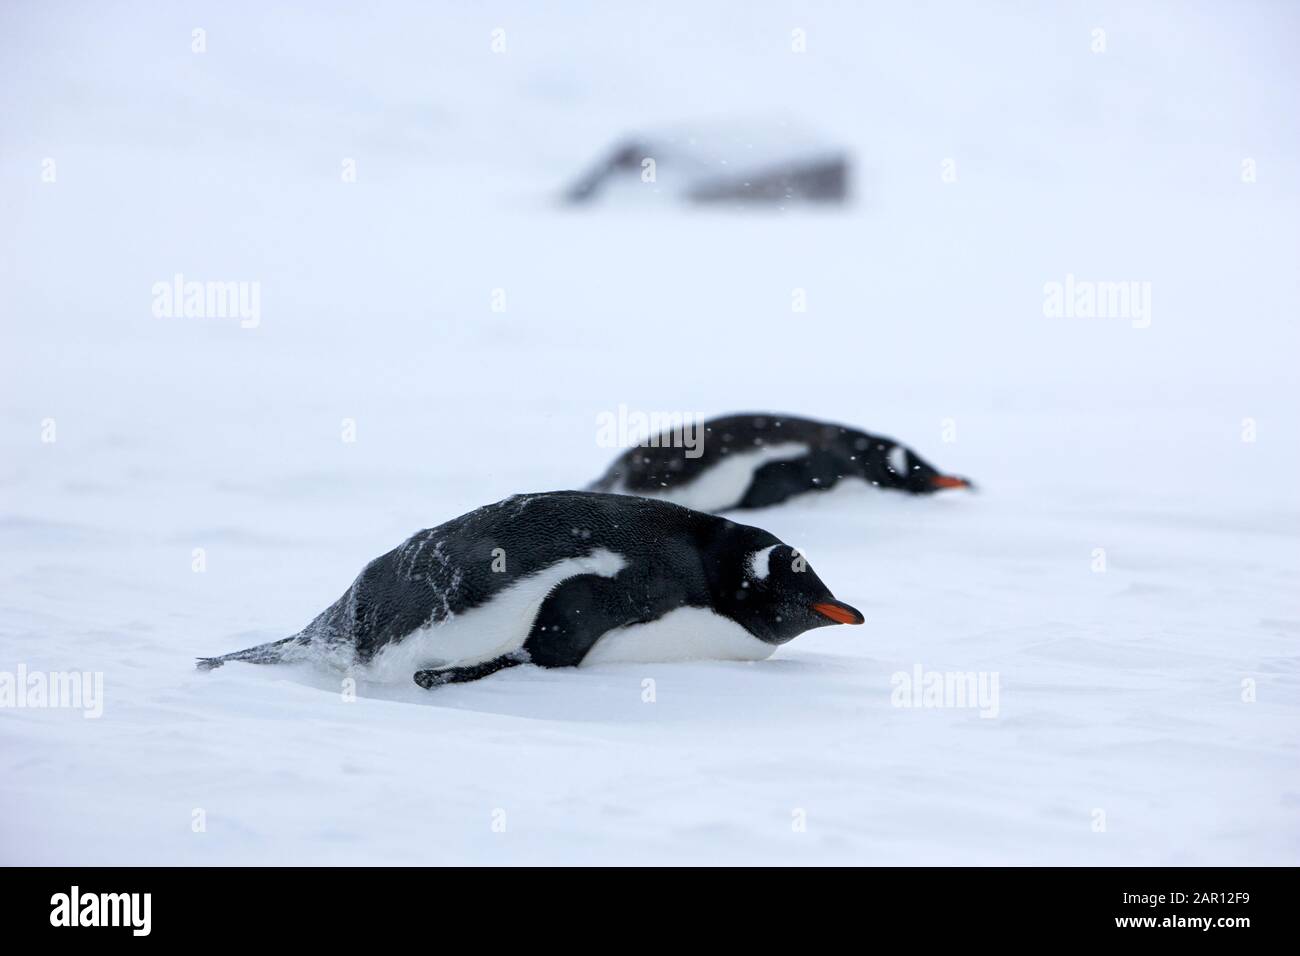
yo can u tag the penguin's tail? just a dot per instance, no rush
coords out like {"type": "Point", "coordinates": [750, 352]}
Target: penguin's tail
{"type": "Point", "coordinates": [276, 652]}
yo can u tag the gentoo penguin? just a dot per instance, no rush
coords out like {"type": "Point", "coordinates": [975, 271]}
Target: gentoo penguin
{"type": "Point", "coordinates": [561, 579]}
{"type": "Point", "coordinates": [755, 460]}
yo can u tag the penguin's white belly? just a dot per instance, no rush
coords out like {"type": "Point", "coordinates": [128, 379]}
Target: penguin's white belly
{"type": "Point", "coordinates": [724, 485]}
{"type": "Point", "coordinates": [686, 634]}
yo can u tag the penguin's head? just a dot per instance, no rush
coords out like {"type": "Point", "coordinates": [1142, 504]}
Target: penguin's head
{"type": "Point", "coordinates": [771, 590]}
{"type": "Point", "coordinates": [897, 466]}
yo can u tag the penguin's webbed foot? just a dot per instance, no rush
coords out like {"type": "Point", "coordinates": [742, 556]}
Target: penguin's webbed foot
{"type": "Point", "coordinates": [437, 677]}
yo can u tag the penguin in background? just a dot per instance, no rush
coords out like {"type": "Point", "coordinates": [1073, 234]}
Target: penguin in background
{"type": "Point", "coordinates": [757, 459]}
{"type": "Point", "coordinates": [561, 579]}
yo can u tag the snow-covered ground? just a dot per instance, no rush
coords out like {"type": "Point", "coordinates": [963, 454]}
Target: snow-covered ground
{"type": "Point", "coordinates": [1147, 712]}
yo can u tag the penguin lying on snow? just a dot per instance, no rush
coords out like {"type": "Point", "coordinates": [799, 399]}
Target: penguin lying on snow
{"type": "Point", "coordinates": [562, 579]}
{"type": "Point", "coordinates": [755, 460]}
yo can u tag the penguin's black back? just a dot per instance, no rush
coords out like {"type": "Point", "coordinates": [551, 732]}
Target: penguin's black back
{"type": "Point", "coordinates": [443, 571]}
{"type": "Point", "coordinates": [649, 469]}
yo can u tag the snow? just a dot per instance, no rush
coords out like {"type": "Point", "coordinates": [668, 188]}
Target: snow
{"type": "Point", "coordinates": [1122, 735]}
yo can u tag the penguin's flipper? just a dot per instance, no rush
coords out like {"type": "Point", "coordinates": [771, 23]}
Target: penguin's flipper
{"type": "Point", "coordinates": [574, 616]}
{"type": "Point", "coordinates": [776, 482]}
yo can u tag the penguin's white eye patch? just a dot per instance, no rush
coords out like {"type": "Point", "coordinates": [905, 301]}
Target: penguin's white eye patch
{"type": "Point", "coordinates": [898, 460]}
{"type": "Point", "coordinates": [759, 562]}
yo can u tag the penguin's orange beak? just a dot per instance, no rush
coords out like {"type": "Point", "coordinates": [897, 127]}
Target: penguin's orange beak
{"type": "Point", "coordinates": [839, 612]}
{"type": "Point", "coordinates": [949, 481]}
